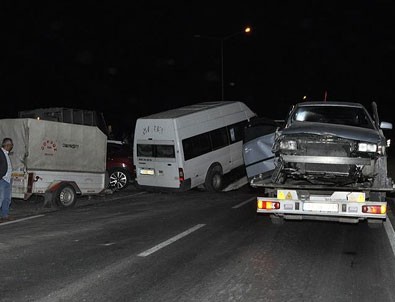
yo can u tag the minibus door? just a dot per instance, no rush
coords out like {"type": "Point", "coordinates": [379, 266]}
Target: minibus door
{"type": "Point", "coordinates": [166, 168]}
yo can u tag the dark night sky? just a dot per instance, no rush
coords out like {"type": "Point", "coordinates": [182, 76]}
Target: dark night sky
{"type": "Point", "coordinates": [129, 59]}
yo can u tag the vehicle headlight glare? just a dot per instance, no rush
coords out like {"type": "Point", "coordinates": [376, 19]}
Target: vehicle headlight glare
{"type": "Point", "coordinates": [288, 145]}
{"type": "Point", "coordinates": [364, 147]}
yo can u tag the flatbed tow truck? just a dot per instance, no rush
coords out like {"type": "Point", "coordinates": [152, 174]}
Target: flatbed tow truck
{"type": "Point", "coordinates": [330, 164]}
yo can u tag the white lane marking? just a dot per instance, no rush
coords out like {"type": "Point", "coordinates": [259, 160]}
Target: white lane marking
{"type": "Point", "coordinates": [243, 203]}
{"type": "Point", "coordinates": [170, 241]}
{"type": "Point", "coordinates": [107, 244]}
{"type": "Point", "coordinates": [122, 197]}
{"type": "Point", "coordinates": [390, 233]}
{"type": "Point", "coordinates": [237, 184]}
{"type": "Point", "coordinates": [21, 219]}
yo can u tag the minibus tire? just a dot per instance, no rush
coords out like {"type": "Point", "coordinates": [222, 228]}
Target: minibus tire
{"type": "Point", "coordinates": [214, 179]}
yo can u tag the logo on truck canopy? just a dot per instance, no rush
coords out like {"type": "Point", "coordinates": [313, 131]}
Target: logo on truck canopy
{"type": "Point", "coordinates": [49, 147]}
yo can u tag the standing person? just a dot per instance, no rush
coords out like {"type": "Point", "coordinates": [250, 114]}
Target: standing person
{"type": "Point", "coordinates": [5, 181]}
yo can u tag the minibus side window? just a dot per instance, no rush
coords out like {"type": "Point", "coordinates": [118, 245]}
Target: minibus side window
{"type": "Point", "coordinates": [188, 148]}
{"type": "Point", "coordinates": [196, 145]}
{"type": "Point", "coordinates": [219, 138]}
{"type": "Point", "coordinates": [236, 131]}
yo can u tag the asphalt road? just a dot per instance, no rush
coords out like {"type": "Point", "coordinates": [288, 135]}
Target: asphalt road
{"type": "Point", "coordinates": [192, 246]}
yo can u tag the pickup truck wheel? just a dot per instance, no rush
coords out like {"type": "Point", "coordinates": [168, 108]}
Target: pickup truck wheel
{"type": "Point", "coordinates": [277, 219]}
{"type": "Point", "coordinates": [65, 196]}
{"type": "Point", "coordinates": [214, 179]}
{"type": "Point", "coordinates": [118, 179]}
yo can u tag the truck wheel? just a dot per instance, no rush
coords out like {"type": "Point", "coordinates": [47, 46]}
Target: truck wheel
{"type": "Point", "coordinates": [118, 179]}
{"type": "Point", "coordinates": [65, 196]}
{"type": "Point", "coordinates": [276, 219]}
{"type": "Point", "coordinates": [214, 179]}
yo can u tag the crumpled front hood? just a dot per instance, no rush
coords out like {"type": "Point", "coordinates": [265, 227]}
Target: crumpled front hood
{"type": "Point", "coordinates": [342, 131]}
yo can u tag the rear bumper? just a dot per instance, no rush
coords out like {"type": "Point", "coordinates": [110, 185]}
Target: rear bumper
{"type": "Point", "coordinates": [328, 218]}
{"type": "Point", "coordinates": [332, 210]}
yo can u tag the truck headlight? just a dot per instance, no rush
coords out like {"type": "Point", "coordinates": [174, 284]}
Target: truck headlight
{"type": "Point", "coordinates": [364, 147]}
{"type": "Point", "coordinates": [288, 145]}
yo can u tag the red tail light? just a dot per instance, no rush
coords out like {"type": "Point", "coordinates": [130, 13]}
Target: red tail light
{"type": "Point", "coordinates": [268, 205]}
{"type": "Point", "coordinates": [181, 174]}
{"type": "Point", "coordinates": [375, 209]}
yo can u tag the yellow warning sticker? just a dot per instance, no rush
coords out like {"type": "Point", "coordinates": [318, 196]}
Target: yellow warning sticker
{"type": "Point", "coordinates": [280, 195]}
{"type": "Point", "coordinates": [361, 198]}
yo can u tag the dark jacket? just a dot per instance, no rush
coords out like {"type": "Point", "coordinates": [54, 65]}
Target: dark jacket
{"type": "Point", "coordinates": [3, 164]}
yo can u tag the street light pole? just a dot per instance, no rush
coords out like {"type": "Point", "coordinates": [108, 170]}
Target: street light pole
{"type": "Point", "coordinates": [222, 69]}
{"type": "Point", "coordinates": [222, 40]}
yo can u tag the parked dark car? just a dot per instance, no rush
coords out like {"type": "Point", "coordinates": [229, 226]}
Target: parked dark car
{"type": "Point", "coordinates": [120, 165]}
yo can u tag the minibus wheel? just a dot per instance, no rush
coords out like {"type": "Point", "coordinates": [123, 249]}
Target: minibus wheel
{"type": "Point", "coordinates": [214, 179]}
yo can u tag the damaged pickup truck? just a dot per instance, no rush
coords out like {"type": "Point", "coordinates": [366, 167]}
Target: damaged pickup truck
{"type": "Point", "coordinates": [330, 164]}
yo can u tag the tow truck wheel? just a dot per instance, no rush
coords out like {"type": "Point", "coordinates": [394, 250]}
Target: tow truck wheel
{"type": "Point", "coordinates": [65, 196]}
{"type": "Point", "coordinates": [277, 219]}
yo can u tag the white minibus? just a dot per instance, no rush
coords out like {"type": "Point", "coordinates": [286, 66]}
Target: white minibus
{"type": "Point", "coordinates": [186, 147]}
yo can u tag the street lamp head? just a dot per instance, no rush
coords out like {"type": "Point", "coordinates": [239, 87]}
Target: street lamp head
{"type": "Point", "coordinates": [246, 30]}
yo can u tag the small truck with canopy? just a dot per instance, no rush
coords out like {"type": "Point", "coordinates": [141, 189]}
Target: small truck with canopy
{"type": "Point", "coordinates": [56, 160]}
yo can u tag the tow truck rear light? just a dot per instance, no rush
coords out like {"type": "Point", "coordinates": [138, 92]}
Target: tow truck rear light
{"type": "Point", "coordinates": [181, 174]}
{"type": "Point", "coordinates": [374, 209]}
{"type": "Point", "coordinates": [268, 205]}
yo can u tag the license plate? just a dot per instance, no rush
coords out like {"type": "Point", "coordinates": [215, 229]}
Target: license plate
{"type": "Point", "coordinates": [320, 207]}
{"type": "Point", "coordinates": [147, 172]}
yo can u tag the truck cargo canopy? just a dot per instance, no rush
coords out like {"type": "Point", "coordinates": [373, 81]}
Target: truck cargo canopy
{"type": "Point", "coordinates": [55, 146]}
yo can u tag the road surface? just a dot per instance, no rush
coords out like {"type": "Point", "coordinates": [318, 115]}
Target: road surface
{"type": "Point", "coordinates": [192, 246]}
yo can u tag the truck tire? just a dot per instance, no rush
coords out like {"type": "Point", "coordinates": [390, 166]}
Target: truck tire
{"type": "Point", "coordinates": [214, 179]}
{"type": "Point", "coordinates": [65, 196]}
